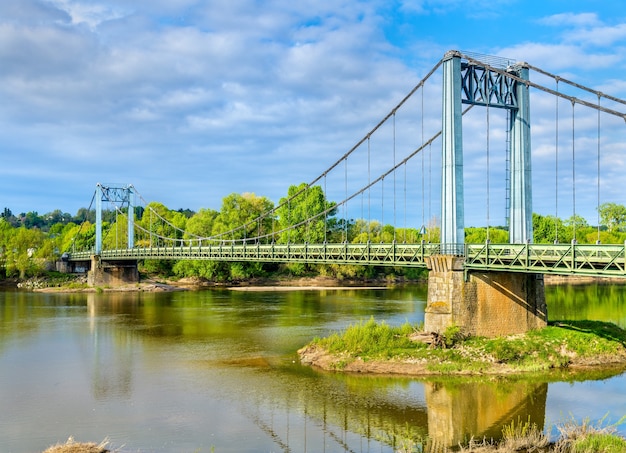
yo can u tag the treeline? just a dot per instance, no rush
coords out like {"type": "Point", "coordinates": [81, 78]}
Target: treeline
{"type": "Point", "coordinates": [31, 243]}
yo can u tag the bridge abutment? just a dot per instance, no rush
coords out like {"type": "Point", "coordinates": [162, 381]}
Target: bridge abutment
{"type": "Point", "coordinates": [112, 273]}
{"type": "Point", "coordinates": [482, 303]}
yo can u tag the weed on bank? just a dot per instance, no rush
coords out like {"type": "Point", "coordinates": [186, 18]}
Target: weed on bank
{"type": "Point", "coordinates": [560, 345]}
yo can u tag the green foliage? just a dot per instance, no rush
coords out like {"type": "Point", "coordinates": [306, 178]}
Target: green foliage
{"type": "Point", "coordinates": [452, 335]}
{"type": "Point", "coordinates": [599, 443]}
{"type": "Point", "coordinates": [208, 270]}
{"type": "Point", "coordinates": [24, 253]}
{"type": "Point", "coordinates": [202, 222]}
{"type": "Point", "coordinates": [306, 204]}
{"type": "Point", "coordinates": [585, 437]}
{"type": "Point", "coordinates": [150, 222]}
{"type": "Point", "coordinates": [296, 269]}
{"type": "Point", "coordinates": [371, 340]}
{"type": "Point", "coordinates": [239, 210]}
{"type": "Point", "coordinates": [612, 215]}
{"type": "Point", "coordinates": [156, 267]}
{"type": "Point", "coordinates": [547, 229]}
{"type": "Point", "coordinates": [540, 350]}
{"type": "Point", "coordinates": [480, 235]}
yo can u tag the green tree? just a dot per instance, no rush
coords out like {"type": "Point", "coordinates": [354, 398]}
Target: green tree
{"type": "Point", "coordinates": [77, 237]}
{"type": "Point", "coordinates": [577, 228]}
{"type": "Point", "coordinates": [32, 220]}
{"type": "Point", "coordinates": [305, 207]}
{"type": "Point", "coordinates": [201, 223]}
{"type": "Point", "coordinates": [612, 215]}
{"type": "Point", "coordinates": [84, 215]}
{"type": "Point", "coordinates": [475, 235]}
{"type": "Point", "coordinates": [548, 229]}
{"type": "Point", "coordinates": [21, 252]}
{"type": "Point", "coordinates": [241, 217]}
{"type": "Point", "coordinates": [164, 226]}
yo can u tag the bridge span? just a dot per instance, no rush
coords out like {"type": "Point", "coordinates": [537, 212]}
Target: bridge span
{"type": "Point", "coordinates": [488, 288]}
{"type": "Point", "coordinates": [598, 260]}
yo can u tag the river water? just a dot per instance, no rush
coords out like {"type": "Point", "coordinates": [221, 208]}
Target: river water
{"type": "Point", "coordinates": [217, 370]}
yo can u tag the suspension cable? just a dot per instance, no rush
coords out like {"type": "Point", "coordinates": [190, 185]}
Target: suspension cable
{"type": "Point", "coordinates": [488, 167]}
{"type": "Point", "coordinates": [430, 185]}
{"type": "Point", "coordinates": [556, 171]}
{"type": "Point", "coordinates": [345, 218]}
{"type": "Point", "coordinates": [382, 207]}
{"type": "Point", "coordinates": [405, 201]}
{"type": "Point", "coordinates": [574, 168]}
{"type": "Point", "coordinates": [574, 84]}
{"type": "Point", "coordinates": [369, 191]}
{"type": "Point", "coordinates": [394, 178]}
{"type": "Point", "coordinates": [422, 158]}
{"type": "Point", "coordinates": [598, 178]}
{"type": "Point", "coordinates": [325, 217]}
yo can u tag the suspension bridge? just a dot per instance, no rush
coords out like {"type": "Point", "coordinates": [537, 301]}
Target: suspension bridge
{"type": "Point", "coordinates": [417, 159]}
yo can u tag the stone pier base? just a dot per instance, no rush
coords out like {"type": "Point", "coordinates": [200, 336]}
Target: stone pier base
{"type": "Point", "coordinates": [484, 303]}
{"type": "Point", "coordinates": [112, 273]}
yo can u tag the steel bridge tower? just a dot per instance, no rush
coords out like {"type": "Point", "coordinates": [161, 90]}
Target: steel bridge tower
{"type": "Point", "coordinates": [124, 195]}
{"type": "Point", "coordinates": [488, 82]}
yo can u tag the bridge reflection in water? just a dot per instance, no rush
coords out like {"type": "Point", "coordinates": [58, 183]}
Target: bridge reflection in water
{"type": "Point", "coordinates": [313, 418]}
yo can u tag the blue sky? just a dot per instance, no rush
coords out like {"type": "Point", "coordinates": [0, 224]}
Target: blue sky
{"type": "Point", "coordinates": [191, 100]}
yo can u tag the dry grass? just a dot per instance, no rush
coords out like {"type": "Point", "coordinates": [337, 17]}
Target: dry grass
{"type": "Point", "coordinates": [79, 447]}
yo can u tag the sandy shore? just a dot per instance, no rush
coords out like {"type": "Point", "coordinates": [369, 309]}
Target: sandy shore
{"type": "Point", "coordinates": [302, 288]}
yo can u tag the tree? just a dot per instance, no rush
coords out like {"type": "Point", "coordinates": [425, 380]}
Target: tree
{"type": "Point", "coordinates": [21, 252]}
{"type": "Point", "coordinates": [612, 215]}
{"type": "Point", "coordinates": [85, 215]}
{"type": "Point", "coordinates": [201, 223]}
{"type": "Point", "coordinates": [305, 207]}
{"type": "Point", "coordinates": [161, 222]}
{"type": "Point", "coordinates": [479, 235]}
{"type": "Point", "coordinates": [32, 220]}
{"type": "Point", "coordinates": [240, 216]}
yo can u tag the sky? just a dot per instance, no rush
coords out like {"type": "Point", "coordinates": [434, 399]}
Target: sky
{"type": "Point", "coordinates": [192, 100]}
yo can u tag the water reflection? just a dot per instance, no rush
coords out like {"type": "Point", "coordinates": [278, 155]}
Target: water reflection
{"type": "Point", "coordinates": [165, 372]}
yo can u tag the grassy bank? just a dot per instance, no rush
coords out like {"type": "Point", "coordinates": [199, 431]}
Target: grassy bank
{"type": "Point", "coordinates": [517, 437]}
{"type": "Point", "coordinates": [368, 346]}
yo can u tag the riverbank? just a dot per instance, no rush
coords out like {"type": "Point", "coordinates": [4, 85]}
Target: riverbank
{"type": "Point", "coordinates": [378, 348]}
{"type": "Point", "coordinates": [55, 282]}
{"type": "Point", "coordinates": [516, 438]}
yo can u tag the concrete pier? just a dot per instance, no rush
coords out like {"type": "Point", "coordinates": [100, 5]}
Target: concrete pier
{"type": "Point", "coordinates": [482, 303]}
{"type": "Point", "coordinates": [112, 273]}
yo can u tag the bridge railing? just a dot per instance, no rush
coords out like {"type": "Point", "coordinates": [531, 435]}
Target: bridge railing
{"type": "Point", "coordinates": [383, 254]}
{"type": "Point", "coordinates": [564, 259]}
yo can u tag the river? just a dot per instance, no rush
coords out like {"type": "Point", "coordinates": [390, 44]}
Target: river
{"type": "Point", "coordinates": [217, 370]}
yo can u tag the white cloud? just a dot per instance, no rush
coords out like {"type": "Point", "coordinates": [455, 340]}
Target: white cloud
{"type": "Point", "coordinates": [91, 14]}
{"type": "Point", "coordinates": [234, 95]}
{"type": "Point", "coordinates": [570, 19]}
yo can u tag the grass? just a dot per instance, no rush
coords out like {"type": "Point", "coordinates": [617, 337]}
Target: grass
{"type": "Point", "coordinates": [371, 339]}
{"type": "Point", "coordinates": [555, 347]}
{"type": "Point", "coordinates": [78, 447]}
{"type": "Point", "coordinates": [517, 437]}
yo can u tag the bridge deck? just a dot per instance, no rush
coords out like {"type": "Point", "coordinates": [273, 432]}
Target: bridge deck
{"type": "Point", "coordinates": [563, 259]}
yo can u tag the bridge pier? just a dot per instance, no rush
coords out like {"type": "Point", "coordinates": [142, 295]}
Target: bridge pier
{"type": "Point", "coordinates": [482, 303]}
{"type": "Point", "coordinates": [112, 273]}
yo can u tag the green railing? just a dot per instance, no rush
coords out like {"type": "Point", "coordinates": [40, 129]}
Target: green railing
{"type": "Point", "coordinates": [563, 259]}
{"type": "Point", "coordinates": [394, 254]}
